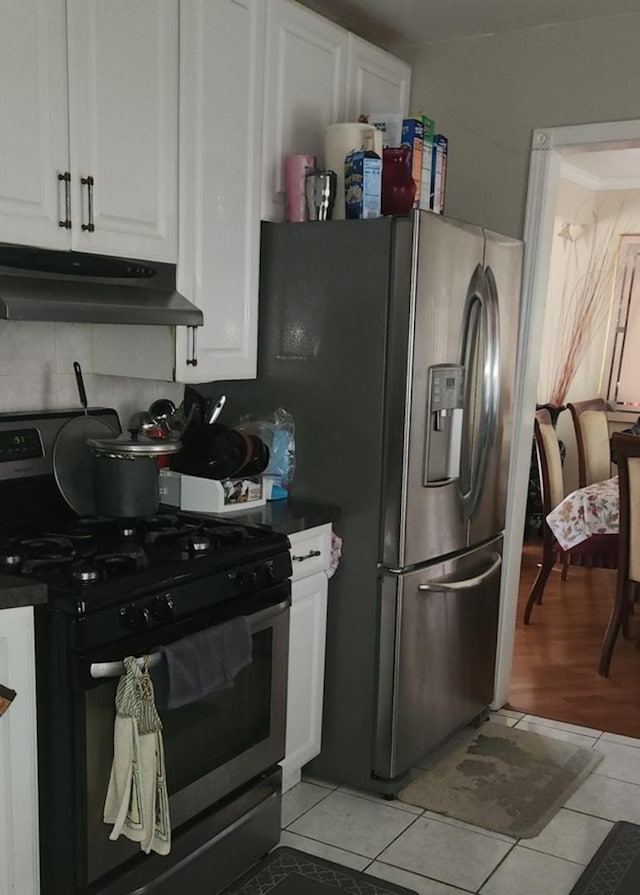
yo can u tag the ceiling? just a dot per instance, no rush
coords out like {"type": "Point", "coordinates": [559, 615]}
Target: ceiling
{"type": "Point", "coordinates": [613, 169]}
{"type": "Point", "coordinates": [392, 22]}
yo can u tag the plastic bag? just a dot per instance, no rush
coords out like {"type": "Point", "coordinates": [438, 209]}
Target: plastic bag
{"type": "Point", "coordinates": [278, 433]}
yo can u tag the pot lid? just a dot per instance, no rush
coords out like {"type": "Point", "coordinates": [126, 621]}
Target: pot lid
{"type": "Point", "coordinates": [132, 445]}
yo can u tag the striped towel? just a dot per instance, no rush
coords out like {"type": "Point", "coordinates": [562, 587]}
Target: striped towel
{"type": "Point", "coordinates": [137, 802]}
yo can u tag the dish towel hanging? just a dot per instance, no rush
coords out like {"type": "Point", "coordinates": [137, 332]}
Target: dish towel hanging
{"type": "Point", "coordinates": [202, 663]}
{"type": "Point", "coordinates": [137, 802]}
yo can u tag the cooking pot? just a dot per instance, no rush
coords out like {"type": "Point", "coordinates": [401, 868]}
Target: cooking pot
{"type": "Point", "coordinates": [220, 452]}
{"type": "Point", "coordinates": [125, 473]}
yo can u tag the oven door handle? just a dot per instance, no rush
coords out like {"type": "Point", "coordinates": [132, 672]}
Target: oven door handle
{"type": "Point", "coordinates": [115, 669]}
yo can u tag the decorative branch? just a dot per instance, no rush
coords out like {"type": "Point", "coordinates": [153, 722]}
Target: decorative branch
{"type": "Point", "coordinates": [584, 309]}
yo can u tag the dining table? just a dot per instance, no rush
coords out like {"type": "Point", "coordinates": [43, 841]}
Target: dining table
{"type": "Point", "coordinates": [593, 510]}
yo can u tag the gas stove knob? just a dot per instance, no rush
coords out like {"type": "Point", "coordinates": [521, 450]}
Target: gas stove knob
{"type": "Point", "coordinates": [162, 608]}
{"type": "Point", "coordinates": [249, 579]}
{"type": "Point", "coordinates": [136, 617]}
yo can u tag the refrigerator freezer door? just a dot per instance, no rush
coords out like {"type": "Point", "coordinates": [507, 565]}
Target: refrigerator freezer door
{"type": "Point", "coordinates": [437, 655]}
{"type": "Point", "coordinates": [423, 521]}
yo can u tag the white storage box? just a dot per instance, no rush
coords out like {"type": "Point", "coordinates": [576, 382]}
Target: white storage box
{"type": "Point", "coordinates": [198, 495]}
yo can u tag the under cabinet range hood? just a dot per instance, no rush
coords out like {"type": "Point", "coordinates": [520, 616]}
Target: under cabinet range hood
{"type": "Point", "coordinates": [75, 287]}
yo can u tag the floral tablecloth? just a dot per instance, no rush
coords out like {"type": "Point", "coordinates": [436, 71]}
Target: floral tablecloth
{"type": "Point", "coordinates": [588, 511]}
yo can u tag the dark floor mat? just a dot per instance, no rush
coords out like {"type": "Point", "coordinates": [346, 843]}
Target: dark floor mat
{"type": "Point", "coordinates": [287, 871]}
{"type": "Point", "coordinates": [615, 867]}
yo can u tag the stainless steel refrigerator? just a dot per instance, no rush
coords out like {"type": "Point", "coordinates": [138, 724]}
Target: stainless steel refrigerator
{"type": "Point", "coordinates": [393, 344]}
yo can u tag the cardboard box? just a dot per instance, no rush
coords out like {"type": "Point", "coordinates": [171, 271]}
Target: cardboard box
{"type": "Point", "coordinates": [427, 159]}
{"type": "Point", "coordinates": [439, 172]}
{"type": "Point", "coordinates": [362, 185]}
{"type": "Point", "coordinates": [413, 139]}
{"type": "Point", "coordinates": [390, 123]}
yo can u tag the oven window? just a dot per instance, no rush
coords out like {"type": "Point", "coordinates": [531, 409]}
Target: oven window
{"type": "Point", "coordinates": [212, 746]}
{"type": "Point", "coordinates": [198, 738]}
{"type": "Point", "coordinates": [207, 734]}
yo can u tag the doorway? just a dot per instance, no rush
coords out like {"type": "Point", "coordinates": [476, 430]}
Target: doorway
{"type": "Point", "coordinates": [549, 148]}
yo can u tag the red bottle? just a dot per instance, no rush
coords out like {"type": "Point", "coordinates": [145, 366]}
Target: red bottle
{"type": "Point", "coordinates": [398, 187]}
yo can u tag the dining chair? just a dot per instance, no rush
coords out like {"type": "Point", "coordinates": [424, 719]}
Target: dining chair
{"type": "Point", "coordinates": [592, 440]}
{"type": "Point", "coordinates": [627, 449]}
{"type": "Point", "coordinates": [598, 551]}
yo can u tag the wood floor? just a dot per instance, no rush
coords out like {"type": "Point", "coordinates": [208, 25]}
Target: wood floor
{"type": "Point", "coordinates": [555, 663]}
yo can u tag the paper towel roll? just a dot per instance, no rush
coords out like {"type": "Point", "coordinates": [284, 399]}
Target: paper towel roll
{"type": "Point", "coordinates": [339, 141]}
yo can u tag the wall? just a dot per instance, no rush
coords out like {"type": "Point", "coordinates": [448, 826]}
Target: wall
{"type": "Point", "coordinates": [617, 213]}
{"type": "Point", "coordinates": [36, 371]}
{"type": "Point", "coordinates": [488, 93]}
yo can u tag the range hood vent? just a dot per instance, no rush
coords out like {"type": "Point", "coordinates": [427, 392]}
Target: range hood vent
{"type": "Point", "coordinates": [41, 284]}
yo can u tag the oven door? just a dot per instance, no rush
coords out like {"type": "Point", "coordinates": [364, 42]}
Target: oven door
{"type": "Point", "coordinates": [213, 748]}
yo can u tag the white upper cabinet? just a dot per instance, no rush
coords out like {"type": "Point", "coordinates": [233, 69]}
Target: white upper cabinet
{"type": "Point", "coordinates": [33, 112]}
{"type": "Point", "coordinates": [123, 126]}
{"type": "Point", "coordinates": [221, 79]}
{"type": "Point", "coordinates": [258, 80]}
{"type": "Point", "coordinates": [376, 81]}
{"type": "Point", "coordinates": [89, 92]}
{"type": "Point", "coordinates": [305, 90]}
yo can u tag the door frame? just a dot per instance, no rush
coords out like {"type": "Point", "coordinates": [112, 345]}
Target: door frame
{"type": "Point", "coordinates": [548, 146]}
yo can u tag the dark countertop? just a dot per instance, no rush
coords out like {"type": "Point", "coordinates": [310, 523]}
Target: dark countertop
{"type": "Point", "coordinates": [16, 592]}
{"type": "Point", "coordinates": [286, 516]}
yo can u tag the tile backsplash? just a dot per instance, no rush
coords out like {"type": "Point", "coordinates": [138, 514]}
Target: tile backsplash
{"type": "Point", "coordinates": [36, 372]}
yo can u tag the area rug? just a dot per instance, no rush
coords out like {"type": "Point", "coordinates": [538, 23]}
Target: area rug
{"type": "Point", "coordinates": [287, 871]}
{"type": "Point", "coordinates": [615, 867]}
{"type": "Point", "coordinates": [503, 779]}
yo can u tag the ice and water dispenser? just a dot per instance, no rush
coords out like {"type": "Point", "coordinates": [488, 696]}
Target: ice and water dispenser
{"type": "Point", "coordinates": [445, 400]}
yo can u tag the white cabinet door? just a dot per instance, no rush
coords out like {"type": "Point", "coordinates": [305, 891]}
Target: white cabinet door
{"type": "Point", "coordinates": [306, 675]}
{"type": "Point", "coordinates": [123, 92]}
{"type": "Point", "coordinates": [305, 91]}
{"type": "Point", "coordinates": [19, 872]}
{"type": "Point", "coordinates": [377, 81]}
{"type": "Point", "coordinates": [221, 76]}
{"type": "Point", "coordinates": [33, 112]}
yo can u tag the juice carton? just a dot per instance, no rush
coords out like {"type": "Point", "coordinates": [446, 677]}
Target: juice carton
{"type": "Point", "coordinates": [427, 156]}
{"type": "Point", "coordinates": [362, 184]}
{"type": "Point", "coordinates": [413, 139]}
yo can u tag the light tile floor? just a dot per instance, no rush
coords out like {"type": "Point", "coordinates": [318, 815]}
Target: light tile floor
{"type": "Point", "coordinates": [435, 855]}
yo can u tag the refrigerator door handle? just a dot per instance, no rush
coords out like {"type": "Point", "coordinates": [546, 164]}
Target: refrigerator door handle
{"type": "Point", "coordinates": [494, 310]}
{"type": "Point", "coordinates": [492, 377]}
{"type": "Point", "coordinates": [481, 313]}
{"type": "Point", "coordinates": [440, 585]}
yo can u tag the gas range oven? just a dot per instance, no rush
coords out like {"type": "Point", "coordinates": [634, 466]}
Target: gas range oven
{"type": "Point", "coordinates": [125, 587]}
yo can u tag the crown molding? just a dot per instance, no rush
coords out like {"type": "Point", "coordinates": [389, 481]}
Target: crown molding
{"type": "Point", "coordinates": [591, 182]}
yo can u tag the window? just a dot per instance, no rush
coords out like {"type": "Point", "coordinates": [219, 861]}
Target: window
{"type": "Point", "coordinates": [624, 375]}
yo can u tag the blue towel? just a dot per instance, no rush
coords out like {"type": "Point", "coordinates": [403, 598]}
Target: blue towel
{"type": "Point", "coordinates": [203, 663]}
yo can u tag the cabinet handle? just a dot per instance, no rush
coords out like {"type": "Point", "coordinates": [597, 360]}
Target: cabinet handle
{"type": "Point", "coordinates": [66, 179]}
{"type": "Point", "coordinates": [308, 555]}
{"type": "Point", "coordinates": [192, 360]}
{"type": "Point", "coordinates": [88, 182]}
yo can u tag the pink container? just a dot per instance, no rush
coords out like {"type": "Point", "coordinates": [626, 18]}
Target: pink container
{"type": "Point", "coordinates": [295, 168]}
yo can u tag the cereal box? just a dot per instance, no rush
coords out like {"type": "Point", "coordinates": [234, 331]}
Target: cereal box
{"type": "Point", "coordinates": [439, 172]}
{"type": "Point", "coordinates": [427, 156]}
{"type": "Point", "coordinates": [362, 185]}
{"type": "Point", "coordinates": [413, 138]}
